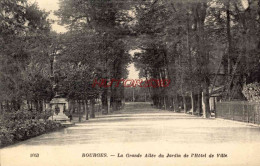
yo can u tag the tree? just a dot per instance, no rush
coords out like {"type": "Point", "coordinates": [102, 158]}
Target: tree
{"type": "Point", "coordinates": [189, 36]}
{"type": "Point", "coordinates": [23, 28]}
{"type": "Point", "coordinates": [107, 22]}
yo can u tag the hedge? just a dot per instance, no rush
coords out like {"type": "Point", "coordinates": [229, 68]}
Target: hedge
{"type": "Point", "coordinates": [22, 125]}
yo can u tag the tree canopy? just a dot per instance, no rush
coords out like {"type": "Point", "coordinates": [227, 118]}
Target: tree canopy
{"type": "Point", "coordinates": [198, 45]}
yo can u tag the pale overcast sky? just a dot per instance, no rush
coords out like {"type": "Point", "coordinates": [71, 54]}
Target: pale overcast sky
{"type": "Point", "coordinates": [51, 6]}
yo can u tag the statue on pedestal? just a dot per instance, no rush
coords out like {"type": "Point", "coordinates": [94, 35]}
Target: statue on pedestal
{"type": "Point", "coordinates": [58, 104]}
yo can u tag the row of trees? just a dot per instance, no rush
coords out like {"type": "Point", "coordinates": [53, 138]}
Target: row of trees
{"type": "Point", "coordinates": [95, 43]}
{"type": "Point", "coordinates": [198, 45]}
{"type": "Point", "coordinates": [24, 70]}
{"type": "Point", "coordinates": [33, 57]}
{"type": "Point", "coordinates": [25, 67]}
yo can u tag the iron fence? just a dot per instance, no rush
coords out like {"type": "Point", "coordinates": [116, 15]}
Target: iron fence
{"type": "Point", "coordinates": [239, 111]}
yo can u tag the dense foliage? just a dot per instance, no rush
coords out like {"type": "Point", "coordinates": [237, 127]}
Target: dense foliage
{"type": "Point", "coordinates": [25, 65]}
{"type": "Point", "coordinates": [96, 47]}
{"type": "Point", "coordinates": [25, 36]}
{"type": "Point", "coordinates": [22, 125]}
{"type": "Point", "coordinates": [252, 92]}
{"type": "Point", "coordinates": [199, 45]}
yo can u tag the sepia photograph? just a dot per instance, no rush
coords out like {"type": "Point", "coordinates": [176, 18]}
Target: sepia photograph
{"type": "Point", "coordinates": [129, 82]}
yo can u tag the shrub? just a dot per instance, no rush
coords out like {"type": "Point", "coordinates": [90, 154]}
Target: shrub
{"type": "Point", "coordinates": [252, 92]}
{"type": "Point", "coordinates": [6, 136]}
{"type": "Point", "coordinates": [22, 125]}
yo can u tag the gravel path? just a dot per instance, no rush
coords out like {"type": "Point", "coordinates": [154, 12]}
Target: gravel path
{"type": "Point", "coordinates": [140, 134]}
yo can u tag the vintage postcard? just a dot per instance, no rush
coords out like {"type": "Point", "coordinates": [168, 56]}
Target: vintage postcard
{"type": "Point", "coordinates": [129, 82]}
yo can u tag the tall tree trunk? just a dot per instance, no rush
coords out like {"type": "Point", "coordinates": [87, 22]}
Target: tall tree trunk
{"type": "Point", "coordinates": [85, 106]}
{"type": "Point", "coordinates": [104, 97]}
{"type": "Point", "coordinates": [79, 109]}
{"type": "Point", "coordinates": [176, 103]}
{"type": "Point", "coordinates": [172, 103]}
{"type": "Point", "coordinates": [203, 53]}
{"type": "Point", "coordinates": [199, 105]}
{"type": "Point", "coordinates": [104, 101]}
{"type": "Point", "coordinates": [184, 104]}
{"type": "Point", "coordinates": [169, 102]}
{"type": "Point", "coordinates": [111, 100]}
{"type": "Point", "coordinates": [193, 109]}
{"type": "Point", "coordinates": [92, 113]}
{"type": "Point", "coordinates": [205, 101]}
{"type": "Point", "coordinates": [122, 97]}
{"type": "Point", "coordinates": [165, 102]}
{"type": "Point", "coordinates": [229, 48]}
{"type": "Point", "coordinates": [114, 99]}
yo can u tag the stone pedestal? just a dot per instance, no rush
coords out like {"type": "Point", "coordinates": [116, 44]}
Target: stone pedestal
{"type": "Point", "coordinates": [58, 106]}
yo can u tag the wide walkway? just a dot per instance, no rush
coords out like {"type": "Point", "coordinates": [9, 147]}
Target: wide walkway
{"type": "Point", "coordinates": [136, 131]}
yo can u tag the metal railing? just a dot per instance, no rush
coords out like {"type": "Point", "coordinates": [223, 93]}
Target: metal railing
{"type": "Point", "coordinates": [242, 111]}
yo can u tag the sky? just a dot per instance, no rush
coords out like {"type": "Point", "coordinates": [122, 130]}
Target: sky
{"type": "Point", "coordinates": [133, 72]}
{"type": "Point", "coordinates": [51, 6]}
